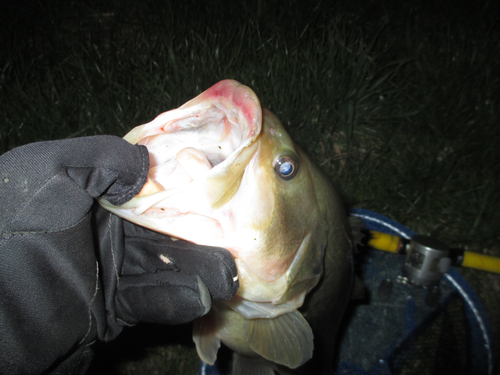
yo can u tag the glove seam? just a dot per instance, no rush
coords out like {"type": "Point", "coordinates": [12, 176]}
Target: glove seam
{"type": "Point", "coordinates": [121, 171]}
{"type": "Point", "coordinates": [26, 202]}
{"type": "Point", "coordinates": [143, 152]}
{"type": "Point", "coordinates": [6, 235]}
{"type": "Point", "coordinates": [90, 305]}
{"type": "Point", "coordinates": [140, 180]}
{"type": "Point", "coordinates": [115, 268]}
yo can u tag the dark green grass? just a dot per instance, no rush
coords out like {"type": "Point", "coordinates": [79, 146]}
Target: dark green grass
{"type": "Point", "coordinates": [397, 101]}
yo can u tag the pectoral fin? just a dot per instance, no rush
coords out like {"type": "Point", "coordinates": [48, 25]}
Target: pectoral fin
{"type": "Point", "coordinates": [287, 339]}
{"type": "Point", "coordinates": [207, 344]}
{"type": "Point", "coordinates": [305, 270]}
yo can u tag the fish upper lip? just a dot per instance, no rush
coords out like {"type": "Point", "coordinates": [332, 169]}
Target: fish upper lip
{"type": "Point", "coordinates": [228, 96]}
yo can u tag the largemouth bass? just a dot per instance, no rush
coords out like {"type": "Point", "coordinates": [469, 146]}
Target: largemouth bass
{"type": "Point", "coordinates": [224, 172]}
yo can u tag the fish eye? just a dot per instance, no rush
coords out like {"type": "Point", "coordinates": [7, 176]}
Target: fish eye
{"type": "Point", "coordinates": [286, 167]}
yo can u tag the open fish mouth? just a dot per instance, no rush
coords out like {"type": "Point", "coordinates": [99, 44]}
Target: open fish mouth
{"type": "Point", "coordinates": [203, 137]}
{"type": "Point", "coordinates": [198, 154]}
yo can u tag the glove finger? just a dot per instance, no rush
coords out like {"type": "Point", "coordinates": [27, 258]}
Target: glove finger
{"type": "Point", "coordinates": [164, 297]}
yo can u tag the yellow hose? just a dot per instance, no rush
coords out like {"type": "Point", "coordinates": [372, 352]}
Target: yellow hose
{"type": "Point", "coordinates": [481, 262]}
{"type": "Point", "coordinates": [395, 244]}
{"type": "Point", "coordinates": [385, 242]}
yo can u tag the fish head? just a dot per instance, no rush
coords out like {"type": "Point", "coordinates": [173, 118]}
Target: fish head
{"type": "Point", "coordinates": [281, 192]}
{"type": "Point", "coordinates": [224, 172]}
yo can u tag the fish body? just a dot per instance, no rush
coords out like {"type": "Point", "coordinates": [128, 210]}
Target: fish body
{"type": "Point", "coordinates": [224, 172]}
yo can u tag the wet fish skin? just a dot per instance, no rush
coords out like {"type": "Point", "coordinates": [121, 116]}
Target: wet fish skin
{"type": "Point", "coordinates": [324, 305]}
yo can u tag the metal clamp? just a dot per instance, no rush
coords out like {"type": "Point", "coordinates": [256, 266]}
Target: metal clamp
{"type": "Point", "coordinates": [427, 259]}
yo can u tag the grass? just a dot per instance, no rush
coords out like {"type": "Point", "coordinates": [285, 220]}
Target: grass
{"type": "Point", "coordinates": [397, 101]}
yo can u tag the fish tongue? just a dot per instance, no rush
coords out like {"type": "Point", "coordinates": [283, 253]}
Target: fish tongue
{"type": "Point", "coordinates": [194, 162]}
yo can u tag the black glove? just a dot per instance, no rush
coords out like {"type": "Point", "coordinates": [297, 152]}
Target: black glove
{"type": "Point", "coordinates": [152, 278]}
{"type": "Point", "coordinates": [71, 272]}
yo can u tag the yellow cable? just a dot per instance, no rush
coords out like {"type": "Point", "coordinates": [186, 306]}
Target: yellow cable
{"type": "Point", "coordinates": [385, 242]}
{"type": "Point", "coordinates": [394, 244]}
{"type": "Point", "coordinates": [481, 262]}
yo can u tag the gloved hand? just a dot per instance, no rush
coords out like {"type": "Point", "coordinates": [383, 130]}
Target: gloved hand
{"type": "Point", "coordinates": [71, 272]}
{"type": "Point", "coordinates": [151, 278]}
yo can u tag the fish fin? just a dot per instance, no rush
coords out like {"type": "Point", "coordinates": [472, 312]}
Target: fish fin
{"type": "Point", "coordinates": [286, 339]}
{"type": "Point", "coordinates": [207, 343]}
{"type": "Point", "coordinates": [249, 366]}
{"type": "Point", "coordinates": [304, 271]}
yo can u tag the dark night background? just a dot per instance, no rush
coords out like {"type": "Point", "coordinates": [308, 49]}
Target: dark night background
{"type": "Point", "coordinates": [396, 100]}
